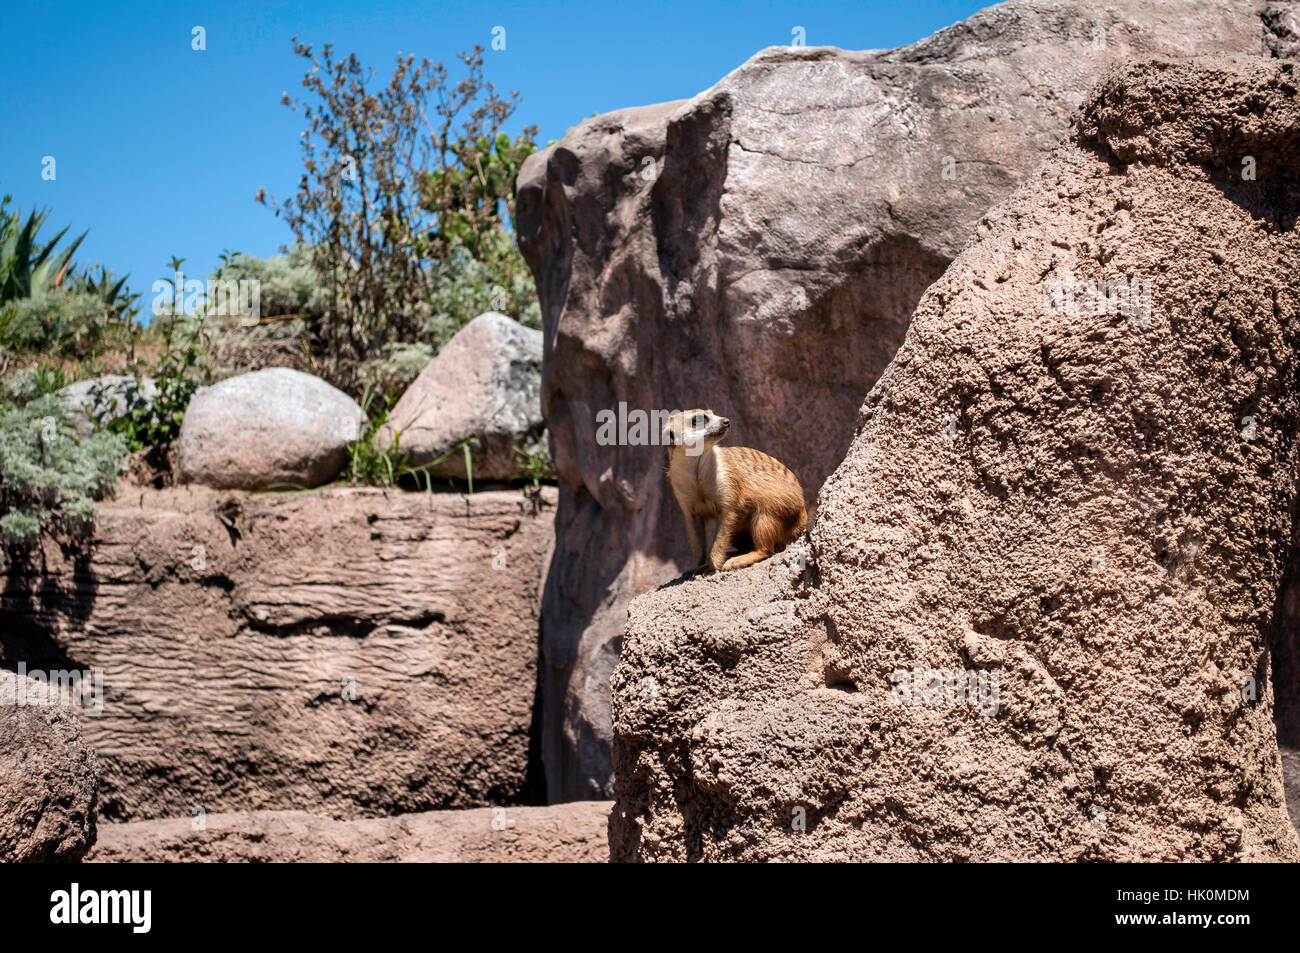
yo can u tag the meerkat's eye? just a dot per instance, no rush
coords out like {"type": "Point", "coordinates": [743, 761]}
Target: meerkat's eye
{"type": "Point", "coordinates": [699, 420]}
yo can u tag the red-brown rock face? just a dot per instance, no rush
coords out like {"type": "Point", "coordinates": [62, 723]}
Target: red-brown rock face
{"type": "Point", "coordinates": [48, 774]}
{"type": "Point", "coordinates": [1034, 620]}
{"type": "Point", "coordinates": [759, 249]}
{"type": "Point", "coordinates": [347, 652]}
{"type": "Point", "coordinates": [559, 834]}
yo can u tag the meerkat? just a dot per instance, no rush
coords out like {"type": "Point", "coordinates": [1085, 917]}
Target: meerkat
{"type": "Point", "coordinates": [744, 490]}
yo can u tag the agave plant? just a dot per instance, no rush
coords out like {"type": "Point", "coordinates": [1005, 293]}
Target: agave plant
{"type": "Point", "coordinates": [108, 290]}
{"type": "Point", "coordinates": [28, 265]}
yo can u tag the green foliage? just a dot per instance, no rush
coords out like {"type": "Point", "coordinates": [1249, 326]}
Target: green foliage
{"type": "Point", "coordinates": [60, 321]}
{"type": "Point", "coordinates": [292, 299]}
{"type": "Point", "coordinates": [392, 372]}
{"type": "Point", "coordinates": [50, 480]}
{"type": "Point", "coordinates": [469, 194]}
{"type": "Point", "coordinates": [463, 286]}
{"type": "Point", "coordinates": [401, 183]}
{"type": "Point", "coordinates": [144, 421]}
{"type": "Point", "coordinates": [46, 304]}
{"type": "Point", "coordinates": [536, 467]}
{"type": "Point", "coordinates": [28, 265]}
{"type": "Point", "coordinates": [290, 285]}
{"type": "Point", "coordinates": [373, 461]}
{"type": "Point", "coordinates": [112, 293]}
{"type": "Point", "coordinates": [186, 346]}
{"type": "Point", "coordinates": [28, 383]}
{"type": "Point", "coordinates": [278, 340]}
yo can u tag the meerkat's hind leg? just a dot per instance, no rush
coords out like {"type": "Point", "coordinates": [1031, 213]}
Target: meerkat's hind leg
{"type": "Point", "coordinates": [745, 559]}
{"type": "Point", "coordinates": [766, 534]}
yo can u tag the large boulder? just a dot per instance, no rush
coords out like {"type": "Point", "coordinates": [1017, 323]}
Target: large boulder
{"type": "Point", "coordinates": [483, 387]}
{"type": "Point", "coordinates": [48, 774]}
{"type": "Point", "coordinates": [560, 834]}
{"type": "Point", "coordinates": [759, 249]}
{"type": "Point", "coordinates": [271, 428]}
{"type": "Point", "coordinates": [348, 652]}
{"type": "Point", "coordinates": [1032, 618]}
{"type": "Point", "coordinates": [99, 400]}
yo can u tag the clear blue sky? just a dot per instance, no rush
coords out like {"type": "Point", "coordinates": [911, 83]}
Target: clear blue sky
{"type": "Point", "coordinates": [160, 149]}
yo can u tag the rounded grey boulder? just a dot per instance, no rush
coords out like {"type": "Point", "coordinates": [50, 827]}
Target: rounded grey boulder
{"type": "Point", "coordinates": [483, 387]}
{"type": "Point", "coordinates": [103, 399]}
{"type": "Point", "coordinates": [274, 427]}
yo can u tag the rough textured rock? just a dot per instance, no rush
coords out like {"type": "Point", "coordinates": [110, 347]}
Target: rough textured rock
{"type": "Point", "coordinates": [759, 250]}
{"type": "Point", "coordinates": [104, 398]}
{"type": "Point", "coordinates": [564, 833]}
{"type": "Point", "coordinates": [1291, 778]}
{"type": "Point", "coordinates": [271, 428]}
{"type": "Point", "coordinates": [1092, 507]}
{"type": "Point", "coordinates": [47, 777]}
{"type": "Point", "coordinates": [347, 652]}
{"type": "Point", "coordinates": [483, 387]}
{"type": "Point", "coordinates": [1282, 30]}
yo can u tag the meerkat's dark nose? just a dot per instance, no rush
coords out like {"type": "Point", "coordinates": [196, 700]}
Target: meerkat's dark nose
{"type": "Point", "coordinates": [726, 422]}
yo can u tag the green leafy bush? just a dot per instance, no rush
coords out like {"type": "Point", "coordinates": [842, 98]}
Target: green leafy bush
{"type": "Point", "coordinates": [473, 183]}
{"type": "Point", "coordinates": [111, 292]}
{"type": "Point", "coordinates": [142, 420]}
{"type": "Point", "coordinates": [536, 468]}
{"type": "Point", "coordinates": [289, 283]}
{"type": "Point", "coordinates": [50, 480]}
{"type": "Point", "coordinates": [26, 384]}
{"type": "Point", "coordinates": [145, 422]}
{"type": "Point", "coordinates": [74, 324]}
{"type": "Point", "coordinates": [391, 373]}
{"type": "Point", "coordinates": [46, 303]}
{"type": "Point", "coordinates": [463, 286]}
{"type": "Point", "coordinates": [404, 184]}
{"type": "Point", "coordinates": [291, 301]}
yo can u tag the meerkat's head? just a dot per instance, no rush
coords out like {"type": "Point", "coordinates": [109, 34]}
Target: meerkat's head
{"type": "Point", "coordinates": [693, 431]}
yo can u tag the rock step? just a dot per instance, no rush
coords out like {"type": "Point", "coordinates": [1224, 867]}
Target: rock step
{"type": "Point", "coordinates": [561, 833]}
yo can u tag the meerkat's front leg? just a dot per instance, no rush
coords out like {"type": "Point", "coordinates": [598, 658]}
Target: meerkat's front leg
{"type": "Point", "coordinates": [726, 527]}
{"type": "Point", "coordinates": [700, 552]}
{"type": "Point", "coordinates": [694, 532]}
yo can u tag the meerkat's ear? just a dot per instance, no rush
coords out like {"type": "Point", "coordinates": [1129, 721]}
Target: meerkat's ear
{"type": "Point", "coordinates": [671, 438]}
